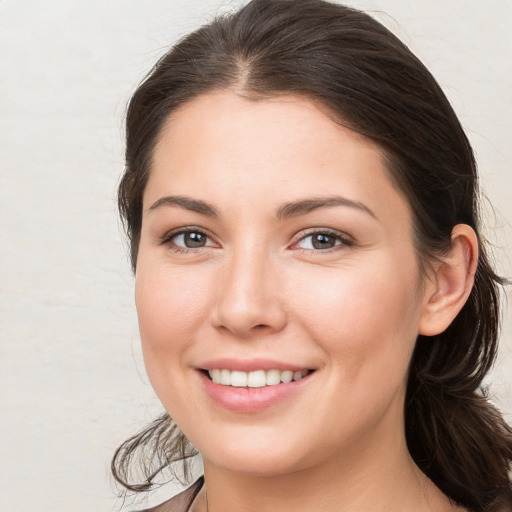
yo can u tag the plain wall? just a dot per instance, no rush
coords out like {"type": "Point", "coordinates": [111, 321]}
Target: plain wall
{"type": "Point", "coordinates": [72, 380]}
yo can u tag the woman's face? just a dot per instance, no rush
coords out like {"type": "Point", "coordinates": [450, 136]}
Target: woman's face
{"type": "Point", "coordinates": [275, 246]}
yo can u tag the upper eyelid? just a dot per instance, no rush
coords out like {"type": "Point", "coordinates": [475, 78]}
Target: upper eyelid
{"type": "Point", "coordinates": [185, 229]}
{"type": "Point", "coordinates": [346, 241]}
{"type": "Point", "coordinates": [345, 237]}
{"type": "Point", "coordinates": [166, 239]}
{"type": "Point", "coordinates": [328, 231]}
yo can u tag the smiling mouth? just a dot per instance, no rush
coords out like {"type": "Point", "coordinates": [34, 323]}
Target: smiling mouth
{"type": "Point", "coordinates": [255, 379]}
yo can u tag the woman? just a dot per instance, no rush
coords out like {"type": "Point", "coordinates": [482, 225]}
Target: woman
{"type": "Point", "coordinates": [316, 307]}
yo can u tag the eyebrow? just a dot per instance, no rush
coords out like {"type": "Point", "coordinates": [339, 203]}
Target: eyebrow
{"type": "Point", "coordinates": [304, 206]}
{"type": "Point", "coordinates": [187, 203]}
{"type": "Point", "coordinates": [286, 211]}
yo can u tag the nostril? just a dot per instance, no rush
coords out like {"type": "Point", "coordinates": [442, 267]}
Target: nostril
{"type": "Point", "coordinates": [245, 317]}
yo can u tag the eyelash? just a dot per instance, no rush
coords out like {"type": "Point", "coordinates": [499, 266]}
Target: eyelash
{"type": "Point", "coordinates": [167, 239]}
{"type": "Point", "coordinates": [343, 239]}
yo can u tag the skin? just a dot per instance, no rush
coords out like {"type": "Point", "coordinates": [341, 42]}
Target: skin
{"type": "Point", "coordinates": [258, 289]}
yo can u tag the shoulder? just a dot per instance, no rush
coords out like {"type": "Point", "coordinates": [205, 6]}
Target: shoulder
{"type": "Point", "coordinates": [181, 502]}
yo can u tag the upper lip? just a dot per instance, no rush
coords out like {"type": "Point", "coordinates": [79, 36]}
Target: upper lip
{"type": "Point", "coordinates": [250, 365]}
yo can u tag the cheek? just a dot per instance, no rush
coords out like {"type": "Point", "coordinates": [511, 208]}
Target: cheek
{"type": "Point", "coordinates": [170, 307]}
{"type": "Point", "coordinates": [365, 319]}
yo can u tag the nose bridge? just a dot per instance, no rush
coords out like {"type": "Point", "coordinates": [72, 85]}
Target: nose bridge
{"type": "Point", "coordinates": [249, 300]}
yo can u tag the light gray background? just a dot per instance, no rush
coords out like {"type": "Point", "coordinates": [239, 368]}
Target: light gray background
{"type": "Point", "coordinates": [72, 380]}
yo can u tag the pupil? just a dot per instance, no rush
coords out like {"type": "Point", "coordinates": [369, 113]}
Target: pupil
{"type": "Point", "coordinates": [195, 239]}
{"type": "Point", "coordinates": [322, 241]}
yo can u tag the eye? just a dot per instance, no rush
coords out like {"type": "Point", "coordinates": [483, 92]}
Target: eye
{"type": "Point", "coordinates": [322, 240]}
{"type": "Point", "coordinates": [189, 239]}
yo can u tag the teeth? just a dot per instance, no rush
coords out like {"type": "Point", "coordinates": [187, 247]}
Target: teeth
{"type": "Point", "coordinates": [225, 377]}
{"type": "Point", "coordinates": [286, 376]}
{"type": "Point", "coordinates": [256, 379]}
{"type": "Point", "coordinates": [273, 377]}
{"type": "Point", "coordinates": [239, 379]}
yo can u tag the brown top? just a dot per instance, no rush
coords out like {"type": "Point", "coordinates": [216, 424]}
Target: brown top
{"type": "Point", "coordinates": [181, 502]}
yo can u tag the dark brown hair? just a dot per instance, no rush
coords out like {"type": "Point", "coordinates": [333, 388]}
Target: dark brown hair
{"type": "Point", "coordinates": [372, 83]}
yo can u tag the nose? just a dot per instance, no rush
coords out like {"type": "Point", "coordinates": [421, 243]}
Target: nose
{"type": "Point", "coordinates": [250, 301]}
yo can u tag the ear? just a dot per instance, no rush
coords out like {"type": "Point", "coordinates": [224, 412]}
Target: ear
{"type": "Point", "coordinates": [451, 282]}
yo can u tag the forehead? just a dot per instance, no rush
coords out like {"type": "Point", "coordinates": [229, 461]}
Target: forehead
{"type": "Point", "coordinates": [268, 151]}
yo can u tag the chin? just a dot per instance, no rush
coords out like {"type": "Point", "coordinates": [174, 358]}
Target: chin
{"type": "Point", "coordinates": [263, 466]}
{"type": "Point", "coordinates": [252, 458]}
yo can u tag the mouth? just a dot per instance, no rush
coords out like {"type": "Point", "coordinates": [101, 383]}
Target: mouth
{"type": "Point", "coordinates": [252, 386]}
{"type": "Point", "coordinates": [254, 379]}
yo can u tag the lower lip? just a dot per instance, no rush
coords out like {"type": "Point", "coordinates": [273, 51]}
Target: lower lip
{"type": "Point", "coordinates": [251, 399]}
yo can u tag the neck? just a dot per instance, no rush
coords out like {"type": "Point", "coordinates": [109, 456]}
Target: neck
{"type": "Point", "coordinates": [379, 476]}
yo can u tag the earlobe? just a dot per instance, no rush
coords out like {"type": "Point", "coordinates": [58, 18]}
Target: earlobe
{"type": "Point", "coordinates": [451, 282]}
